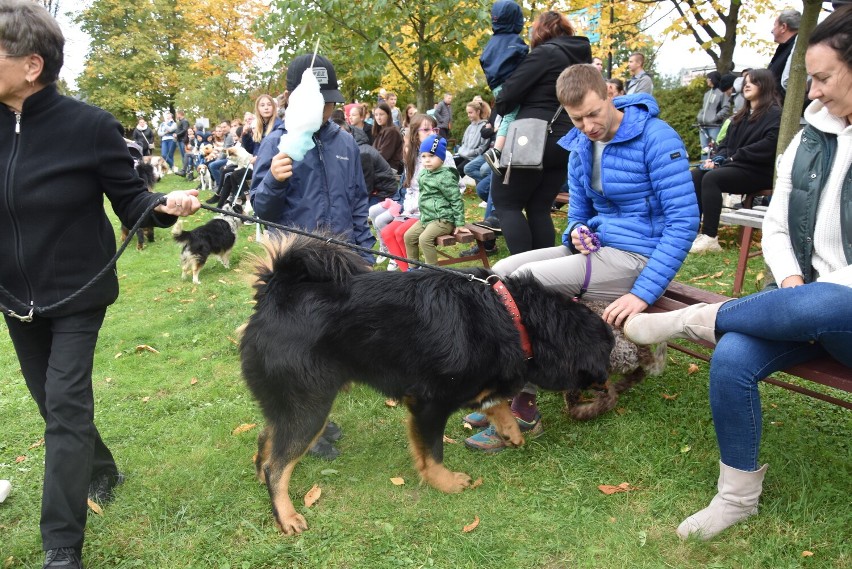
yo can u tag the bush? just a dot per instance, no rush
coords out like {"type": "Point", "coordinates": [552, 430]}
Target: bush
{"type": "Point", "coordinates": [679, 107]}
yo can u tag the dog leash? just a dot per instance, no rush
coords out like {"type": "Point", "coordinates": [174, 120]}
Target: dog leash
{"type": "Point", "coordinates": [585, 234]}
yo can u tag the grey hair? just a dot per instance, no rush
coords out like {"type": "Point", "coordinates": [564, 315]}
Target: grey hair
{"type": "Point", "coordinates": [791, 18]}
{"type": "Point", "coordinates": [27, 28]}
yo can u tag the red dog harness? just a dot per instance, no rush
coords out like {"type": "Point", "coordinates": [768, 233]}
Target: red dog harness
{"type": "Point", "coordinates": [509, 302]}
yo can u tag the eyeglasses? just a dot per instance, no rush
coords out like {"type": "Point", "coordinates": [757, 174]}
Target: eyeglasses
{"type": "Point", "coordinates": [8, 56]}
{"type": "Point", "coordinates": [427, 129]}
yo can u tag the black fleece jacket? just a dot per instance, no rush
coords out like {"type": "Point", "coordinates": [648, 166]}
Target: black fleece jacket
{"type": "Point", "coordinates": [59, 157]}
{"type": "Point", "coordinates": [751, 145]}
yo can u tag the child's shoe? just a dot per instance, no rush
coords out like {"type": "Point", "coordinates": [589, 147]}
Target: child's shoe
{"type": "Point", "coordinates": [489, 441]}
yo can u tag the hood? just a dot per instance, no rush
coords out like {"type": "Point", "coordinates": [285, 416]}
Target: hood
{"type": "Point", "coordinates": [817, 115]}
{"type": "Point", "coordinates": [360, 136]}
{"type": "Point", "coordinates": [506, 17]}
{"type": "Point", "coordinates": [637, 108]}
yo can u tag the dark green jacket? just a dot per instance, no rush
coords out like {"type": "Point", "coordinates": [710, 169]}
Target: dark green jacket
{"type": "Point", "coordinates": [811, 169]}
{"type": "Point", "coordinates": [440, 197]}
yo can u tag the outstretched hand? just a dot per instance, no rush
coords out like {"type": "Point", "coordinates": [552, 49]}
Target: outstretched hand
{"type": "Point", "coordinates": [182, 203]}
{"type": "Point", "coordinates": [617, 313]}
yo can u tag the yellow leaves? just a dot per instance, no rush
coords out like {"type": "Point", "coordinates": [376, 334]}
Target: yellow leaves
{"type": "Point", "coordinates": [398, 481]}
{"type": "Point", "coordinates": [312, 496]}
{"type": "Point", "coordinates": [146, 348]}
{"type": "Point", "coordinates": [245, 427]}
{"type": "Point", "coordinates": [471, 526]}
{"type": "Point", "coordinates": [807, 553]}
{"type": "Point", "coordinates": [450, 441]}
{"type": "Point", "coordinates": [669, 397]}
{"type": "Point", "coordinates": [692, 369]}
{"type": "Point", "coordinates": [95, 508]}
{"type": "Point", "coordinates": [20, 459]}
{"type": "Point", "coordinates": [37, 444]}
{"type": "Point", "coordinates": [193, 381]}
{"type": "Point", "coordinates": [608, 489]}
{"type": "Point", "coordinates": [476, 483]}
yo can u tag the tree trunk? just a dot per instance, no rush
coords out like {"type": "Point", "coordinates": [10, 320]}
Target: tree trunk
{"type": "Point", "coordinates": [798, 76]}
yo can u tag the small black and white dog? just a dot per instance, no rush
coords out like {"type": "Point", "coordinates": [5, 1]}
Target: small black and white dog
{"type": "Point", "coordinates": [216, 237]}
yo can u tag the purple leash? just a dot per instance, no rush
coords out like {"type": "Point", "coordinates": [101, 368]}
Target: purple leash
{"type": "Point", "coordinates": [586, 235]}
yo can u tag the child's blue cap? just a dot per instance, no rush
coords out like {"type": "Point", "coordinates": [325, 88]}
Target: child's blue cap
{"type": "Point", "coordinates": [436, 146]}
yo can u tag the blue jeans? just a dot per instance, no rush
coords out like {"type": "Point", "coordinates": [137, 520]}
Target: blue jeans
{"type": "Point", "coordinates": [167, 149]}
{"type": "Point", "coordinates": [215, 168]}
{"type": "Point", "coordinates": [764, 333]}
{"type": "Point", "coordinates": [477, 168]}
{"type": "Point", "coordinates": [181, 146]}
{"type": "Point", "coordinates": [483, 190]}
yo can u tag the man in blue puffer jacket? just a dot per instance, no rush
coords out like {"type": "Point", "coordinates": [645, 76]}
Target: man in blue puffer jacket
{"type": "Point", "coordinates": [325, 190]}
{"type": "Point", "coordinates": [630, 186]}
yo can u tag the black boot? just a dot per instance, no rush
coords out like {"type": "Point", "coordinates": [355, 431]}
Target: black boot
{"type": "Point", "coordinates": [64, 557]}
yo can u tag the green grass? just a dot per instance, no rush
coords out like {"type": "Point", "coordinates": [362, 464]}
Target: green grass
{"type": "Point", "coordinates": [191, 499]}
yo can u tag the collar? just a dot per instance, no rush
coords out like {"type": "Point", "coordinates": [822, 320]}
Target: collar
{"type": "Point", "coordinates": [512, 308]}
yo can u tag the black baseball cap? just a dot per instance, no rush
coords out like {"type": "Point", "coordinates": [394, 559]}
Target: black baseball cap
{"type": "Point", "coordinates": [323, 71]}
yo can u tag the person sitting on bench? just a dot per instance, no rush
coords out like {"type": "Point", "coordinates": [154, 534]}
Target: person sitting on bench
{"type": "Point", "coordinates": [808, 315]}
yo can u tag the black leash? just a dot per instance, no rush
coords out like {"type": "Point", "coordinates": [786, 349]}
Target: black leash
{"type": "Point", "coordinates": [30, 311]}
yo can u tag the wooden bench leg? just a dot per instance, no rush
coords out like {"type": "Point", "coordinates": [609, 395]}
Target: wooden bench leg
{"type": "Point", "coordinates": [742, 261]}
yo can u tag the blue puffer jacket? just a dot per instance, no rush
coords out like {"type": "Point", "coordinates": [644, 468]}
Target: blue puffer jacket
{"type": "Point", "coordinates": [506, 49]}
{"type": "Point", "coordinates": [648, 204]}
{"type": "Point", "coordinates": [326, 190]}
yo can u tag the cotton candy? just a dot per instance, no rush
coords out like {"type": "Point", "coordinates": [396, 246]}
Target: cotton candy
{"type": "Point", "coordinates": [303, 118]}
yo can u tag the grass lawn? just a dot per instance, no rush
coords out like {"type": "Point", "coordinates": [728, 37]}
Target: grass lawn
{"type": "Point", "coordinates": [191, 499]}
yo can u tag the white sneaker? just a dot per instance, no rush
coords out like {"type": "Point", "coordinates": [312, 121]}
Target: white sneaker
{"type": "Point", "coordinates": [705, 243]}
{"type": "Point", "coordinates": [381, 258]}
{"type": "Point", "coordinates": [392, 266]}
{"type": "Point", "coordinates": [483, 204]}
{"type": "Point", "coordinates": [468, 181]}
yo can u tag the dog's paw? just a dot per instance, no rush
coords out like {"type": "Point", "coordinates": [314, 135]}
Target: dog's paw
{"type": "Point", "coordinates": [292, 524]}
{"type": "Point", "coordinates": [461, 481]}
{"type": "Point", "coordinates": [446, 480]}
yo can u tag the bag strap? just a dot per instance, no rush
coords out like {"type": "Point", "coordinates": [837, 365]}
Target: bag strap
{"type": "Point", "coordinates": [553, 120]}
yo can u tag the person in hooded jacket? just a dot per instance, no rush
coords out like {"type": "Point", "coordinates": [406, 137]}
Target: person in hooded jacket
{"type": "Point", "coordinates": [630, 188]}
{"type": "Point", "coordinates": [524, 201]}
{"type": "Point", "coordinates": [712, 113]}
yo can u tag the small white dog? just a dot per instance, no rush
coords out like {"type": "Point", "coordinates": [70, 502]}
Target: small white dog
{"type": "Point", "coordinates": [205, 178]}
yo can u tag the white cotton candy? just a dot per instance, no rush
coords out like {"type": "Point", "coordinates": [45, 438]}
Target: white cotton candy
{"type": "Point", "coordinates": [303, 118]}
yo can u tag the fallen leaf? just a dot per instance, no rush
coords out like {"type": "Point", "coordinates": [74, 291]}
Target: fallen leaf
{"type": "Point", "coordinates": [608, 489]}
{"type": "Point", "coordinates": [398, 481]}
{"type": "Point", "coordinates": [312, 496]}
{"type": "Point", "coordinates": [776, 423]}
{"type": "Point", "coordinates": [807, 553]}
{"type": "Point", "coordinates": [773, 405]}
{"type": "Point", "coordinates": [108, 379]}
{"type": "Point", "coordinates": [233, 341]}
{"type": "Point", "coordinates": [476, 483]}
{"type": "Point", "coordinates": [193, 381]}
{"type": "Point", "coordinates": [37, 444]}
{"type": "Point", "coordinates": [95, 508]}
{"type": "Point", "coordinates": [250, 238]}
{"type": "Point", "coordinates": [146, 347]}
{"type": "Point", "coordinates": [471, 526]}
{"type": "Point", "coordinates": [759, 277]}
{"type": "Point", "coordinates": [685, 449]}
{"type": "Point", "coordinates": [669, 397]}
{"type": "Point", "coordinates": [391, 402]}
{"type": "Point", "coordinates": [720, 283]}
{"type": "Point", "coordinates": [145, 399]}
{"type": "Point", "coordinates": [698, 278]}
{"type": "Point", "coordinates": [692, 369]}
{"type": "Point", "coordinates": [717, 275]}
{"type": "Point", "coordinates": [612, 520]}
{"type": "Point", "coordinates": [222, 281]}
{"type": "Point", "coordinates": [186, 300]}
{"type": "Point", "coordinates": [213, 297]}
{"type": "Point", "coordinates": [467, 426]}
{"type": "Point", "coordinates": [243, 428]}
{"type": "Point", "coordinates": [118, 355]}
{"type": "Point", "coordinates": [448, 440]}
{"type": "Point", "coordinates": [621, 410]}
{"type": "Point", "coordinates": [9, 562]}
{"type": "Point", "coordinates": [20, 459]}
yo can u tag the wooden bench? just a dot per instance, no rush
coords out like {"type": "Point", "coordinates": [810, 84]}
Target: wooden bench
{"type": "Point", "coordinates": [748, 220]}
{"type": "Point", "coordinates": [477, 233]}
{"type": "Point", "coordinates": [562, 198]}
{"type": "Point", "coordinates": [824, 371]}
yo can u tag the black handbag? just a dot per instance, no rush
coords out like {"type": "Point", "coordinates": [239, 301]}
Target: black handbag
{"type": "Point", "coordinates": [525, 143]}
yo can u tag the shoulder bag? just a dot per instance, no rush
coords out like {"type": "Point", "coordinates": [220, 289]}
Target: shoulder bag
{"type": "Point", "coordinates": [525, 143]}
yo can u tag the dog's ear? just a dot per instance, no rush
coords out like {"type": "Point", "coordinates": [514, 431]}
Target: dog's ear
{"type": "Point", "coordinates": [237, 208]}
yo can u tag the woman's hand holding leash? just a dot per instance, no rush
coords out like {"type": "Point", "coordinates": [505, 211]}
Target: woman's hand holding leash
{"type": "Point", "coordinates": [181, 203]}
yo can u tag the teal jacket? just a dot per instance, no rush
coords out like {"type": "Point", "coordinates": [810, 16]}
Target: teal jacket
{"type": "Point", "coordinates": [440, 197]}
{"type": "Point", "coordinates": [811, 169]}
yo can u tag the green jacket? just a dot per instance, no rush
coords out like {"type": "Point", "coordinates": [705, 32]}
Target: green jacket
{"type": "Point", "coordinates": [811, 169]}
{"type": "Point", "coordinates": [440, 197]}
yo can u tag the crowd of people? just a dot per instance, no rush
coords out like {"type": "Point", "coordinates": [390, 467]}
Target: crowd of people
{"type": "Point", "coordinates": [636, 210]}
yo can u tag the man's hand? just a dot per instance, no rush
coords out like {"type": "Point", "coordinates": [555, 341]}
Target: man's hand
{"type": "Point", "coordinates": [580, 243]}
{"type": "Point", "coordinates": [618, 312]}
{"type": "Point", "coordinates": [791, 281]}
{"type": "Point", "coordinates": [180, 203]}
{"type": "Point", "coordinates": [281, 167]}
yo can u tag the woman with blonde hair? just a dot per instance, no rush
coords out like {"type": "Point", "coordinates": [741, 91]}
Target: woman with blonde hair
{"type": "Point", "coordinates": [265, 120]}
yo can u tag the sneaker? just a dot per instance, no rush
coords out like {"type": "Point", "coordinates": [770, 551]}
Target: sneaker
{"type": "Point", "coordinates": [380, 258]}
{"type": "Point", "coordinates": [476, 419]}
{"type": "Point", "coordinates": [492, 156]}
{"type": "Point", "coordinates": [332, 432]}
{"type": "Point", "coordinates": [471, 252]}
{"type": "Point", "coordinates": [468, 181]}
{"type": "Point", "coordinates": [65, 557]}
{"type": "Point", "coordinates": [489, 441]}
{"type": "Point", "coordinates": [483, 204]}
{"type": "Point", "coordinates": [705, 243]}
{"type": "Point", "coordinates": [392, 266]}
{"type": "Point", "coordinates": [101, 487]}
{"type": "Point", "coordinates": [324, 449]}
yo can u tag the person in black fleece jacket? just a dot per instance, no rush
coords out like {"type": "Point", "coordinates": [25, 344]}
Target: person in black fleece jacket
{"type": "Point", "coordinates": [58, 159]}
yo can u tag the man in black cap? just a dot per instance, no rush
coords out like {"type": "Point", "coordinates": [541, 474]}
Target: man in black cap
{"type": "Point", "coordinates": [323, 191]}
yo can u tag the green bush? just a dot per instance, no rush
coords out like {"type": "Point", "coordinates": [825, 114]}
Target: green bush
{"type": "Point", "coordinates": [679, 107]}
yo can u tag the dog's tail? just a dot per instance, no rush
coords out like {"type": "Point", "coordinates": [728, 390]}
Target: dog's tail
{"type": "Point", "coordinates": [300, 259]}
{"type": "Point", "coordinates": [178, 233]}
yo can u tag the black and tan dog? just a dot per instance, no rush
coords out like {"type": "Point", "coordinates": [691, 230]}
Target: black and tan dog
{"type": "Point", "coordinates": [323, 319]}
{"type": "Point", "coordinates": [216, 237]}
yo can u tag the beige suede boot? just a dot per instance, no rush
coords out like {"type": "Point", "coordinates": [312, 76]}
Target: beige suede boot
{"type": "Point", "coordinates": [696, 322]}
{"type": "Point", "coordinates": [737, 499]}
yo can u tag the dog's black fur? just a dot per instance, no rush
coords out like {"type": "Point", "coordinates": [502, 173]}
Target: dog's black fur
{"type": "Point", "coordinates": [433, 340]}
{"type": "Point", "coordinates": [146, 172]}
{"type": "Point", "coordinates": [216, 237]}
